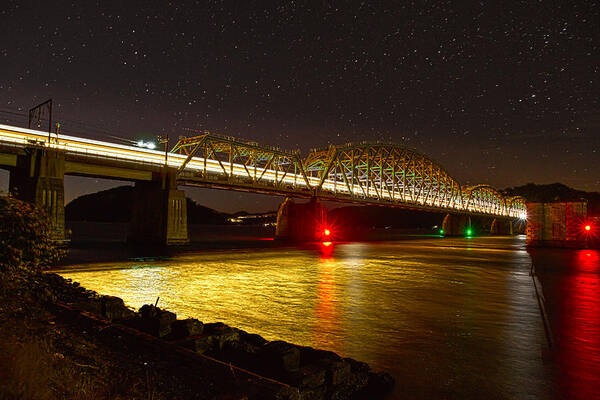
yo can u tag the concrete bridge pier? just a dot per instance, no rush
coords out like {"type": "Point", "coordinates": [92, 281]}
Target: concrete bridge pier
{"type": "Point", "coordinates": [456, 225]}
{"type": "Point", "coordinates": [502, 226]}
{"type": "Point", "coordinates": [159, 213]}
{"type": "Point", "coordinates": [38, 178]}
{"type": "Point", "coordinates": [301, 222]}
{"type": "Point", "coordinates": [519, 226]}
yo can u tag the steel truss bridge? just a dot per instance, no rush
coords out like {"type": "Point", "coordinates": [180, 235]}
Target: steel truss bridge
{"type": "Point", "coordinates": [368, 173]}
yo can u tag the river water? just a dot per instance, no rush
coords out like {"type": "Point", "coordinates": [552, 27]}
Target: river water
{"type": "Point", "coordinates": [448, 318]}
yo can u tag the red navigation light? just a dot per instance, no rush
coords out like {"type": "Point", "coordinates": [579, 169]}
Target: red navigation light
{"type": "Point", "coordinates": [326, 232]}
{"type": "Point", "coordinates": [588, 228]}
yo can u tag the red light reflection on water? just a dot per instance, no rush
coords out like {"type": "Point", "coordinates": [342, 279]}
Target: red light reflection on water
{"type": "Point", "coordinates": [326, 249]}
{"type": "Point", "coordinates": [579, 331]}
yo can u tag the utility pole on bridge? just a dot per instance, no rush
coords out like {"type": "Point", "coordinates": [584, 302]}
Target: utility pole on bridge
{"type": "Point", "coordinates": [37, 113]}
{"type": "Point", "coordinates": [165, 140]}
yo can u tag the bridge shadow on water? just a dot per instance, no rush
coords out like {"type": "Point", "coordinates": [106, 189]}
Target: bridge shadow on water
{"type": "Point", "coordinates": [106, 242]}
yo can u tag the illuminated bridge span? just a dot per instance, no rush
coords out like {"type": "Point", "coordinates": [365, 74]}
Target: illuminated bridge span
{"type": "Point", "coordinates": [366, 173]}
{"type": "Point", "coordinates": [385, 174]}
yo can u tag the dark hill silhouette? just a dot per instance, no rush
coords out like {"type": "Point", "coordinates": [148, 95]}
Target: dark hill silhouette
{"type": "Point", "coordinates": [556, 192]}
{"type": "Point", "coordinates": [198, 214]}
{"type": "Point", "coordinates": [112, 205]}
{"type": "Point", "coordinates": [116, 205]}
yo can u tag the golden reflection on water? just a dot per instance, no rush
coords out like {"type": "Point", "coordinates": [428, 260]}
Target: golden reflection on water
{"type": "Point", "coordinates": [444, 311]}
{"type": "Point", "coordinates": [326, 330]}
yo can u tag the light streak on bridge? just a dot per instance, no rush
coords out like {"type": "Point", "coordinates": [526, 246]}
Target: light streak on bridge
{"type": "Point", "coordinates": [366, 173]}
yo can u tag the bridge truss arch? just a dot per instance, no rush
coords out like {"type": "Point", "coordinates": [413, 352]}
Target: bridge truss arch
{"type": "Point", "coordinates": [386, 173]}
{"type": "Point", "coordinates": [517, 207]}
{"type": "Point", "coordinates": [484, 199]}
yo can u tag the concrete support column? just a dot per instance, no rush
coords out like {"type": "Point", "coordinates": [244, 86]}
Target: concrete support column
{"type": "Point", "coordinates": [494, 227]}
{"type": "Point", "coordinates": [519, 226]}
{"type": "Point", "coordinates": [456, 225]}
{"type": "Point", "coordinates": [301, 222]}
{"type": "Point", "coordinates": [159, 214]}
{"type": "Point", "coordinates": [38, 178]}
{"type": "Point", "coordinates": [502, 226]}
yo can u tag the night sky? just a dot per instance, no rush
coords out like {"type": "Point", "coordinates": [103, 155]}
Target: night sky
{"type": "Point", "coordinates": [503, 93]}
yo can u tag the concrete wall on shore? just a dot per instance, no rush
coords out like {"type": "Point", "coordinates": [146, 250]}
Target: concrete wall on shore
{"type": "Point", "coordinates": [559, 224]}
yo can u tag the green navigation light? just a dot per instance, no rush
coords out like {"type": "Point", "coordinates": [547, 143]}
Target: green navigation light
{"type": "Point", "coordinates": [441, 231]}
{"type": "Point", "coordinates": [469, 232]}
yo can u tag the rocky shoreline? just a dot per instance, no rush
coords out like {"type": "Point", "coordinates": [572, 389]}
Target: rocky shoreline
{"type": "Point", "coordinates": [257, 368]}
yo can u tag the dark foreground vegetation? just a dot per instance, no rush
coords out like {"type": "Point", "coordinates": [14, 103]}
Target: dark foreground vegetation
{"type": "Point", "coordinates": [60, 340]}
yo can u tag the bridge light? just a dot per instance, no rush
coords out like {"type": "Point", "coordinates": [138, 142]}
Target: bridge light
{"type": "Point", "coordinates": [148, 145]}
